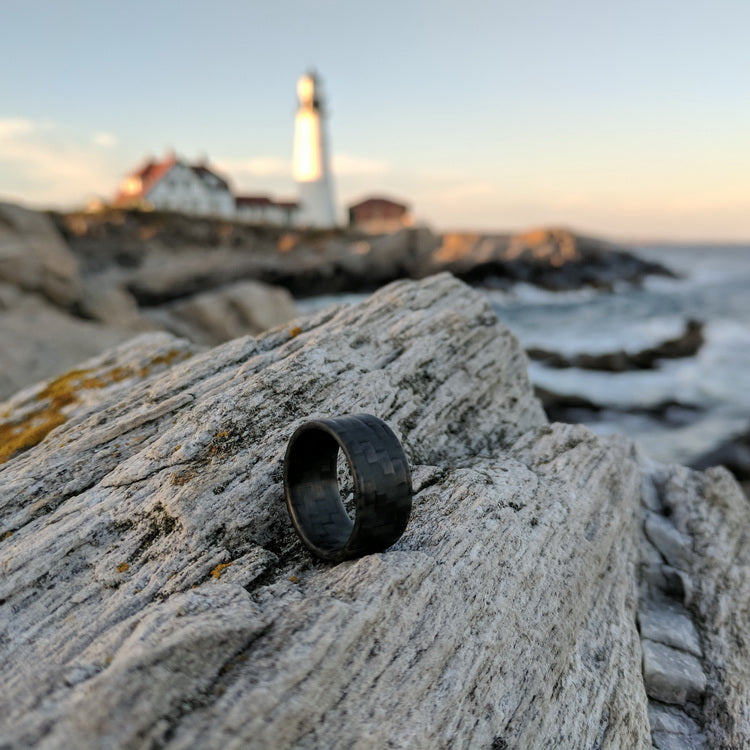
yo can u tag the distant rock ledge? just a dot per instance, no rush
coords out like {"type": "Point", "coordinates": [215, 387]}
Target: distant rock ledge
{"type": "Point", "coordinates": [552, 589]}
{"type": "Point", "coordinates": [163, 257]}
{"type": "Point", "coordinates": [74, 284]}
{"type": "Point", "coordinates": [686, 344]}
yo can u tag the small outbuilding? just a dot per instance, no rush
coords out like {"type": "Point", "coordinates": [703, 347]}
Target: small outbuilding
{"type": "Point", "coordinates": [379, 215]}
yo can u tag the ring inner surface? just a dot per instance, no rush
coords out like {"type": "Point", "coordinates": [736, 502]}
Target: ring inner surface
{"type": "Point", "coordinates": [314, 490]}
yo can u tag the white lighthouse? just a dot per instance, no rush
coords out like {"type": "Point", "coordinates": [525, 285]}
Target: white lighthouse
{"type": "Point", "coordinates": [311, 167]}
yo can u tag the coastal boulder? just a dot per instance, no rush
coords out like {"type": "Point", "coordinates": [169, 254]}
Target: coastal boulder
{"type": "Point", "coordinates": [226, 313]}
{"type": "Point", "coordinates": [106, 301]}
{"type": "Point", "coordinates": [34, 256]}
{"type": "Point", "coordinates": [39, 340]}
{"type": "Point", "coordinates": [552, 589]}
{"type": "Point", "coordinates": [552, 258]}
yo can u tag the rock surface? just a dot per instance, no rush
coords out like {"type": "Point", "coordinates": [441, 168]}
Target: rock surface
{"type": "Point", "coordinates": [58, 307]}
{"type": "Point", "coordinates": [168, 256]}
{"type": "Point", "coordinates": [734, 454]}
{"type": "Point", "coordinates": [106, 301]}
{"type": "Point", "coordinates": [232, 311]}
{"type": "Point", "coordinates": [156, 596]}
{"type": "Point", "coordinates": [34, 256]}
{"type": "Point", "coordinates": [39, 340]}
{"type": "Point", "coordinates": [552, 258]}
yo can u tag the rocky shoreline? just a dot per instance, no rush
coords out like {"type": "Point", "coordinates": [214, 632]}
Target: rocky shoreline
{"type": "Point", "coordinates": [687, 344]}
{"type": "Point", "coordinates": [162, 257]}
{"type": "Point", "coordinates": [575, 409]}
{"type": "Point", "coordinates": [734, 455]}
{"type": "Point", "coordinates": [72, 285]}
{"type": "Point", "coordinates": [553, 588]}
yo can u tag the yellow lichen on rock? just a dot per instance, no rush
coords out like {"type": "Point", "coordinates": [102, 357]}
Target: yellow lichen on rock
{"type": "Point", "coordinates": [65, 390]}
{"type": "Point", "coordinates": [219, 569]}
{"type": "Point", "coordinates": [16, 437]}
{"type": "Point", "coordinates": [163, 359]}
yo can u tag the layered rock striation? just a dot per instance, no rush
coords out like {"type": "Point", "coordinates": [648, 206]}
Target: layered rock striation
{"type": "Point", "coordinates": [552, 589]}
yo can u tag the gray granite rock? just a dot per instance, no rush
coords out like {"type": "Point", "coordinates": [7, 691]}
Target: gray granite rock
{"type": "Point", "coordinates": [713, 510]}
{"type": "Point", "coordinates": [39, 340]}
{"type": "Point", "coordinates": [105, 300]}
{"type": "Point", "coordinates": [672, 729]}
{"type": "Point", "coordinates": [667, 741]}
{"type": "Point", "coordinates": [227, 313]}
{"type": "Point", "coordinates": [669, 623]}
{"type": "Point", "coordinates": [156, 595]}
{"type": "Point", "coordinates": [673, 545]}
{"type": "Point", "coordinates": [34, 256]}
{"type": "Point", "coordinates": [672, 676]}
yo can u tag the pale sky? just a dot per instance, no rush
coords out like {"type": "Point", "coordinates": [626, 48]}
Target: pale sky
{"type": "Point", "coordinates": [627, 120]}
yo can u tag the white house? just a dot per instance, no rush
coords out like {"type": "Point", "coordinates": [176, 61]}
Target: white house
{"type": "Point", "coordinates": [175, 185]}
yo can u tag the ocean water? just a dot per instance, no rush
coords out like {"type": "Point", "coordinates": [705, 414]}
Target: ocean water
{"type": "Point", "coordinates": [713, 287]}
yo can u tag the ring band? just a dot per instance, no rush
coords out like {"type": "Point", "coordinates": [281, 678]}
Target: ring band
{"type": "Point", "coordinates": [382, 486]}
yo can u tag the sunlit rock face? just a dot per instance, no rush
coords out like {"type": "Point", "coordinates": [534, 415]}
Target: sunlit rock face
{"type": "Point", "coordinates": [552, 588]}
{"type": "Point", "coordinates": [551, 258]}
{"type": "Point", "coordinates": [311, 162]}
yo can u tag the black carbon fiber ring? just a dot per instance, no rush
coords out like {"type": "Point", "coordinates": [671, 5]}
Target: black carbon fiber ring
{"type": "Point", "coordinates": [382, 486]}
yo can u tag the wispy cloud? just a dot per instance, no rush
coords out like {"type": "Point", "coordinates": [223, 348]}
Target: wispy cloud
{"type": "Point", "coordinates": [14, 127]}
{"type": "Point", "coordinates": [104, 140]}
{"type": "Point", "coordinates": [42, 163]}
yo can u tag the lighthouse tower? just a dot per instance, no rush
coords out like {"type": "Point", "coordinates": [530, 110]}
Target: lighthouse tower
{"type": "Point", "coordinates": [311, 168]}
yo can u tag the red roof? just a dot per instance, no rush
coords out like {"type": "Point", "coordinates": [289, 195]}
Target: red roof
{"type": "Point", "coordinates": [377, 202]}
{"type": "Point", "coordinates": [149, 174]}
{"type": "Point", "coordinates": [253, 200]}
{"type": "Point", "coordinates": [153, 171]}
